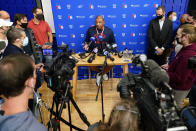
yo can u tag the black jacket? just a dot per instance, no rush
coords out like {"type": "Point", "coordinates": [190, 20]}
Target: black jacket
{"type": "Point", "coordinates": [157, 37]}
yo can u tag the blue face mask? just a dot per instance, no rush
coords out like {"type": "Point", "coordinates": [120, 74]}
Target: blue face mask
{"type": "Point", "coordinates": [25, 42]}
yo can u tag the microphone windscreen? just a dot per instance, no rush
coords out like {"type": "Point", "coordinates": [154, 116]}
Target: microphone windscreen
{"type": "Point", "coordinates": [114, 46]}
{"type": "Point", "coordinates": [157, 74]}
{"type": "Point", "coordinates": [2, 45]}
{"type": "Point", "coordinates": [92, 39]}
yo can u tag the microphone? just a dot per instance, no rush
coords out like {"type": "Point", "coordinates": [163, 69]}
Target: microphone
{"type": "Point", "coordinates": [100, 37]}
{"type": "Point", "coordinates": [107, 54]}
{"type": "Point", "coordinates": [92, 57]}
{"type": "Point", "coordinates": [90, 44]}
{"type": "Point", "coordinates": [116, 52]}
{"type": "Point", "coordinates": [2, 45]}
{"type": "Point", "coordinates": [108, 47]}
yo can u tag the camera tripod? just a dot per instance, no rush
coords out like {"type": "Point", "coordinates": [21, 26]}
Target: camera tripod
{"type": "Point", "coordinates": [101, 86]}
{"type": "Point", "coordinates": [60, 99]}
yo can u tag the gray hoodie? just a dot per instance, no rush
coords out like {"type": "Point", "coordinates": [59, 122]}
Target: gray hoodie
{"type": "Point", "coordinates": [24, 121]}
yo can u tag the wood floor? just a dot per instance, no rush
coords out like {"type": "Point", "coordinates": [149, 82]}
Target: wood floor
{"type": "Point", "coordinates": [86, 94]}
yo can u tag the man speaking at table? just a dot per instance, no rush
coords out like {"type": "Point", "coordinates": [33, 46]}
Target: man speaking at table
{"type": "Point", "coordinates": [102, 35]}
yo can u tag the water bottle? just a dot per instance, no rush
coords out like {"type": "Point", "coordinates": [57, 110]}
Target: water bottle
{"type": "Point", "coordinates": [130, 54]}
{"type": "Point", "coordinates": [125, 55]}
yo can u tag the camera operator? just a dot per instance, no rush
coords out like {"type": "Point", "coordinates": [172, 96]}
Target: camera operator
{"type": "Point", "coordinates": [182, 78]}
{"type": "Point", "coordinates": [17, 84]}
{"type": "Point", "coordinates": [124, 116]}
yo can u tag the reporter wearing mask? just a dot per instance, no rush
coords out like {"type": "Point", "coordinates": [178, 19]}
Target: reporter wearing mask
{"type": "Point", "coordinates": [20, 21]}
{"type": "Point", "coordinates": [182, 78]}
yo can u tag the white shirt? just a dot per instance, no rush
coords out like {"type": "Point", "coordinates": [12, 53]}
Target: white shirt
{"type": "Point", "coordinates": [161, 24]}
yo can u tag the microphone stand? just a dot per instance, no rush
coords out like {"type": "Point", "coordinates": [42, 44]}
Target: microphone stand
{"type": "Point", "coordinates": [101, 86]}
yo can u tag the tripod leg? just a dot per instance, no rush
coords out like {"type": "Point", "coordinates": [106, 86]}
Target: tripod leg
{"type": "Point", "coordinates": [40, 114]}
{"type": "Point", "coordinates": [69, 115]}
{"type": "Point", "coordinates": [103, 115]}
{"type": "Point", "coordinates": [82, 116]}
{"type": "Point", "coordinates": [97, 93]}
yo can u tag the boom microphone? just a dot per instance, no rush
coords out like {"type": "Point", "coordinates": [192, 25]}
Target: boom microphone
{"type": "Point", "coordinates": [158, 75]}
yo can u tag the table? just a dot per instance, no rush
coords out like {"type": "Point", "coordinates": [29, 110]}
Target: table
{"type": "Point", "coordinates": [99, 60]}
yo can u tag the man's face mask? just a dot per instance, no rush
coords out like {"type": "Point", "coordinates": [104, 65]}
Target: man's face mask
{"type": "Point", "coordinates": [24, 25]}
{"type": "Point", "coordinates": [40, 16]}
{"type": "Point", "coordinates": [159, 17]}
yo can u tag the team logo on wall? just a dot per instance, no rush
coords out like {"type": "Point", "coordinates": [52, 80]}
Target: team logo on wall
{"type": "Point", "coordinates": [144, 15]}
{"type": "Point", "coordinates": [58, 7]}
{"type": "Point", "coordinates": [80, 17]}
{"type": "Point", "coordinates": [132, 34]}
{"type": "Point", "coordinates": [124, 16]}
{"type": "Point", "coordinates": [132, 43]}
{"type": "Point", "coordinates": [142, 34]}
{"type": "Point", "coordinates": [92, 16]}
{"type": "Point", "coordinates": [144, 25]}
{"type": "Point", "coordinates": [146, 5]}
{"type": "Point", "coordinates": [61, 27]}
{"type": "Point", "coordinates": [82, 26]}
{"type": "Point", "coordinates": [114, 6]}
{"type": "Point", "coordinates": [62, 36]}
{"type": "Point", "coordinates": [133, 25]}
{"type": "Point", "coordinates": [142, 43]}
{"type": "Point", "coordinates": [123, 34]}
{"type": "Point", "coordinates": [59, 17]}
{"type": "Point", "coordinates": [68, 6]}
{"type": "Point", "coordinates": [123, 43]}
{"type": "Point", "coordinates": [70, 26]}
{"type": "Point", "coordinates": [114, 25]}
{"type": "Point", "coordinates": [82, 35]}
{"type": "Point", "coordinates": [80, 6]}
{"type": "Point", "coordinates": [70, 17]}
{"type": "Point", "coordinates": [135, 6]}
{"type": "Point", "coordinates": [124, 5]}
{"type": "Point", "coordinates": [112, 16]}
{"type": "Point", "coordinates": [73, 36]}
{"type": "Point", "coordinates": [156, 5]}
{"type": "Point", "coordinates": [91, 6]}
{"type": "Point", "coordinates": [101, 6]}
{"type": "Point", "coordinates": [73, 44]}
{"type": "Point", "coordinates": [124, 25]}
{"type": "Point", "coordinates": [133, 16]}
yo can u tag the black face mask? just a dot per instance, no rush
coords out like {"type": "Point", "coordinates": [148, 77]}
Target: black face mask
{"type": "Point", "coordinates": [40, 16]}
{"type": "Point", "coordinates": [24, 25]}
{"type": "Point", "coordinates": [159, 17]}
{"type": "Point", "coordinates": [177, 39]}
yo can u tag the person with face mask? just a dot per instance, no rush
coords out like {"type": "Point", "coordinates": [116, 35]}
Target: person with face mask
{"type": "Point", "coordinates": [159, 36]}
{"type": "Point", "coordinates": [181, 78]}
{"type": "Point", "coordinates": [4, 27]}
{"type": "Point", "coordinates": [42, 31]}
{"type": "Point", "coordinates": [16, 39]}
{"type": "Point", "coordinates": [20, 21]}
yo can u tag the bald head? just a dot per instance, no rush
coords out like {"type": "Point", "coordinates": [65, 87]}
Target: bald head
{"type": "Point", "coordinates": [184, 18]}
{"type": "Point", "coordinates": [4, 15]}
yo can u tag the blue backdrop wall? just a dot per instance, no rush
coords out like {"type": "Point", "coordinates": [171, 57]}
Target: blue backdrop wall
{"type": "Point", "coordinates": [128, 19]}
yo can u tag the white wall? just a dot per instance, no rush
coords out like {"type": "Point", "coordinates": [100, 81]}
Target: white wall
{"type": "Point", "coordinates": [47, 9]}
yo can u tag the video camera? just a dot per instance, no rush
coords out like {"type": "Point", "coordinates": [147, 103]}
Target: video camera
{"type": "Point", "coordinates": [61, 69]}
{"type": "Point", "coordinates": [153, 96]}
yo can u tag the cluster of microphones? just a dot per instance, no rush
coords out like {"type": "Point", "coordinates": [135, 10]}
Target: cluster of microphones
{"type": "Point", "coordinates": [102, 49]}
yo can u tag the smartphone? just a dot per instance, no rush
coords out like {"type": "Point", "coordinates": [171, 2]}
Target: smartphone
{"type": "Point", "coordinates": [47, 52]}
